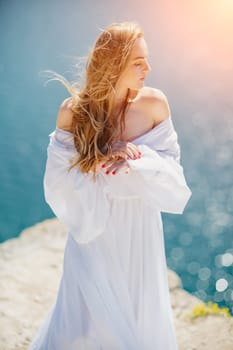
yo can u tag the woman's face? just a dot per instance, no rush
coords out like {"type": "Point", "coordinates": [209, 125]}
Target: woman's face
{"type": "Point", "coordinates": [138, 66]}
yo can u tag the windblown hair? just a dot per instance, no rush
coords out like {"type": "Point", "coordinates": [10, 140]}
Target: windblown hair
{"type": "Point", "coordinates": [95, 123]}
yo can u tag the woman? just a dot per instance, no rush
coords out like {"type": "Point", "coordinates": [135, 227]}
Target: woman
{"type": "Point", "coordinates": [113, 165]}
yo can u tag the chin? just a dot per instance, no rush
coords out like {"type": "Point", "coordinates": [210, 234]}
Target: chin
{"type": "Point", "coordinates": [141, 83]}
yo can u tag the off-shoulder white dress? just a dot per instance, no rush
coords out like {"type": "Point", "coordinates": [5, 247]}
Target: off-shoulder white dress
{"type": "Point", "coordinates": [114, 293]}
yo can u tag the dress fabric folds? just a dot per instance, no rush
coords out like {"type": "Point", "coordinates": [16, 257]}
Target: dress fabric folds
{"type": "Point", "coordinates": [114, 292]}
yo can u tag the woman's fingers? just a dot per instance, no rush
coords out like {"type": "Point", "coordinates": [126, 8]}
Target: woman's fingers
{"type": "Point", "coordinates": [134, 150]}
{"type": "Point", "coordinates": [121, 151]}
{"type": "Point", "coordinates": [108, 164]}
{"type": "Point", "coordinates": [131, 150]}
{"type": "Point", "coordinates": [117, 167]}
{"type": "Point", "coordinates": [126, 149]}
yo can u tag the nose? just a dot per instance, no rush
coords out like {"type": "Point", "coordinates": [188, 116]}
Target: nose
{"type": "Point", "coordinates": [147, 67]}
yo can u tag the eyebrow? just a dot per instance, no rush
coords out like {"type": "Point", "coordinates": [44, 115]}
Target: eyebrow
{"type": "Point", "coordinates": [139, 57]}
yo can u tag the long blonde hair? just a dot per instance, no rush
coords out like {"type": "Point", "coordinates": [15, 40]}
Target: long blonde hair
{"type": "Point", "coordinates": [94, 123]}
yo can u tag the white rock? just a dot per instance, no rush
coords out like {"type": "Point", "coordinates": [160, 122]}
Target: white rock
{"type": "Point", "coordinates": [34, 260]}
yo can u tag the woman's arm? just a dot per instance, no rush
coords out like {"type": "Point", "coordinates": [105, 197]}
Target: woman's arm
{"type": "Point", "coordinates": [160, 181]}
{"type": "Point", "coordinates": [158, 175]}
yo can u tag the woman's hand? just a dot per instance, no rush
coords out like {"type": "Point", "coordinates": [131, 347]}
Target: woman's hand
{"type": "Point", "coordinates": [125, 150]}
{"type": "Point", "coordinates": [121, 151]}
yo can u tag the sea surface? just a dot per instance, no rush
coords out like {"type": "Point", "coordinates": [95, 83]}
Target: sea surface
{"type": "Point", "coordinates": [198, 85]}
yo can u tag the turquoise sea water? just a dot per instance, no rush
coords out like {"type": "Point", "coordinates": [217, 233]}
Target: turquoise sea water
{"type": "Point", "coordinates": [39, 36]}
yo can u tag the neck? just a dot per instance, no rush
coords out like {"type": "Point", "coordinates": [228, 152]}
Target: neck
{"type": "Point", "coordinates": [121, 98]}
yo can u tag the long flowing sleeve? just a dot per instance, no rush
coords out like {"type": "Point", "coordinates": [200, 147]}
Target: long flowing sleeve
{"type": "Point", "coordinates": [158, 173]}
{"type": "Point", "coordinates": [73, 196]}
{"type": "Point", "coordinates": [85, 206]}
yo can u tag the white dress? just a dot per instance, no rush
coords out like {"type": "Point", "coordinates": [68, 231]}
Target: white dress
{"type": "Point", "coordinates": [114, 293]}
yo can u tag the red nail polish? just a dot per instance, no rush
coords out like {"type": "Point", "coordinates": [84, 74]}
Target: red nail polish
{"type": "Point", "coordinates": [113, 172]}
{"type": "Point", "coordinates": [107, 172]}
{"type": "Point", "coordinates": [103, 166]}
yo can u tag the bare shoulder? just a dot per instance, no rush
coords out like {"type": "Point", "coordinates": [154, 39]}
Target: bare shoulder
{"type": "Point", "coordinates": [65, 115]}
{"type": "Point", "coordinates": [156, 103]}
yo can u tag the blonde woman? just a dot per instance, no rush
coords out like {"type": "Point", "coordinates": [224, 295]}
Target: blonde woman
{"type": "Point", "coordinates": [113, 166]}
